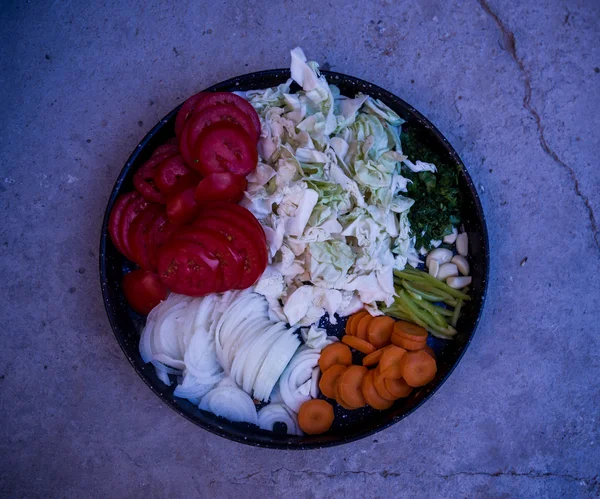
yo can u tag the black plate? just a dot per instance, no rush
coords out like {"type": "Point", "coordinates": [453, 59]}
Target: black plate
{"type": "Point", "coordinates": [349, 426]}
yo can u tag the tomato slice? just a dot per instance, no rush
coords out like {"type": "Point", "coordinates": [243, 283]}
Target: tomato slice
{"type": "Point", "coordinates": [187, 268]}
{"type": "Point", "coordinates": [136, 206]}
{"type": "Point", "coordinates": [186, 111]}
{"type": "Point", "coordinates": [216, 114]}
{"type": "Point", "coordinates": [165, 149]}
{"type": "Point", "coordinates": [143, 180]}
{"type": "Point", "coordinates": [139, 236]}
{"type": "Point", "coordinates": [212, 99]}
{"type": "Point", "coordinates": [116, 216]}
{"type": "Point", "coordinates": [182, 207]}
{"type": "Point", "coordinates": [245, 243]}
{"type": "Point", "coordinates": [169, 172]}
{"type": "Point", "coordinates": [221, 187]}
{"type": "Point", "coordinates": [224, 147]}
{"type": "Point", "coordinates": [233, 213]}
{"type": "Point", "coordinates": [158, 235]}
{"type": "Point", "coordinates": [143, 290]}
{"type": "Point", "coordinates": [232, 263]}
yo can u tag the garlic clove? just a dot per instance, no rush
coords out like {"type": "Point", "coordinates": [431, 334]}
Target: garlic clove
{"type": "Point", "coordinates": [434, 268]}
{"type": "Point", "coordinates": [458, 282]}
{"type": "Point", "coordinates": [462, 244]}
{"type": "Point", "coordinates": [447, 270]}
{"type": "Point", "coordinates": [442, 255]}
{"type": "Point", "coordinates": [462, 264]}
{"type": "Point", "coordinates": [451, 238]}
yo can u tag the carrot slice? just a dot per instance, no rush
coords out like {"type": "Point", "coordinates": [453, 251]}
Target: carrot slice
{"type": "Point", "coordinates": [430, 351]}
{"type": "Point", "coordinates": [380, 331]}
{"type": "Point", "coordinates": [357, 344]}
{"type": "Point", "coordinates": [363, 327]}
{"type": "Point", "coordinates": [407, 343]}
{"type": "Point", "coordinates": [315, 416]}
{"type": "Point", "coordinates": [417, 368]}
{"type": "Point", "coordinates": [349, 324]}
{"type": "Point", "coordinates": [357, 317]}
{"type": "Point", "coordinates": [371, 396]}
{"type": "Point", "coordinates": [389, 364]}
{"type": "Point", "coordinates": [329, 379]}
{"type": "Point", "coordinates": [373, 358]}
{"type": "Point", "coordinates": [335, 353]}
{"type": "Point", "coordinates": [349, 386]}
{"type": "Point", "coordinates": [410, 330]}
{"type": "Point", "coordinates": [379, 384]}
{"type": "Point", "coordinates": [341, 401]}
{"type": "Point", "coordinates": [398, 387]}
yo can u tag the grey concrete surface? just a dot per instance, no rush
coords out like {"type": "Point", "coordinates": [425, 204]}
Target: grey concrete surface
{"type": "Point", "coordinates": [514, 85]}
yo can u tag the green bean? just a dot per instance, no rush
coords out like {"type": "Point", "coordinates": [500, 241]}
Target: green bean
{"type": "Point", "coordinates": [419, 275]}
{"type": "Point", "coordinates": [436, 311]}
{"type": "Point", "coordinates": [426, 295]}
{"type": "Point", "coordinates": [456, 313]}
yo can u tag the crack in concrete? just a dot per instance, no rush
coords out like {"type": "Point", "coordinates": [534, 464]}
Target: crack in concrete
{"type": "Point", "coordinates": [508, 39]}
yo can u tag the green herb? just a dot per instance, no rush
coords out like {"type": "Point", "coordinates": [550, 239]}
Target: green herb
{"type": "Point", "coordinates": [436, 194]}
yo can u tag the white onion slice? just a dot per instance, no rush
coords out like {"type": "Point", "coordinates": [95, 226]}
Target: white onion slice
{"type": "Point", "coordinates": [192, 389]}
{"type": "Point", "coordinates": [297, 373]}
{"type": "Point", "coordinates": [314, 386]}
{"type": "Point", "coordinates": [272, 414]}
{"type": "Point", "coordinates": [228, 401]}
{"type": "Point", "coordinates": [258, 354]}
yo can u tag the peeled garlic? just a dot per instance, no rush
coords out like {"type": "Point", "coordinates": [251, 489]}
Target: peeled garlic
{"type": "Point", "coordinates": [458, 282]}
{"type": "Point", "coordinates": [451, 238]}
{"type": "Point", "coordinates": [442, 255]}
{"type": "Point", "coordinates": [447, 270]}
{"type": "Point", "coordinates": [434, 268]}
{"type": "Point", "coordinates": [462, 244]}
{"type": "Point", "coordinates": [462, 264]}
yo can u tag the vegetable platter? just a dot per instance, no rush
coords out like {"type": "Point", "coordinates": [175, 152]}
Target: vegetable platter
{"type": "Point", "coordinates": [294, 258]}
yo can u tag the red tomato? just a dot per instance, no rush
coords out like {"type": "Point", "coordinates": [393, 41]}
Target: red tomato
{"type": "Point", "coordinates": [169, 172]}
{"type": "Point", "coordinates": [182, 207]}
{"type": "Point", "coordinates": [158, 235]}
{"type": "Point", "coordinates": [215, 114]}
{"type": "Point", "coordinates": [116, 216]}
{"type": "Point", "coordinates": [139, 236]}
{"type": "Point", "coordinates": [143, 180]}
{"type": "Point", "coordinates": [143, 290]}
{"type": "Point", "coordinates": [187, 268]}
{"type": "Point", "coordinates": [132, 210]}
{"type": "Point", "coordinates": [212, 99]}
{"type": "Point", "coordinates": [233, 212]}
{"type": "Point", "coordinates": [224, 147]}
{"type": "Point", "coordinates": [185, 112]}
{"type": "Point", "coordinates": [221, 187]}
{"type": "Point", "coordinates": [165, 149]}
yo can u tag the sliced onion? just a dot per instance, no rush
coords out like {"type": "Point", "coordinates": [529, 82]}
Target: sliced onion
{"type": "Point", "coordinates": [272, 414]}
{"type": "Point", "coordinates": [254, 335]}
{"type": "Point", "coordinates": [314, 385]}
{"type": "Point", "coordinates": [228, 401]}
{"type": "Point", "coordinates": [297, 373]}
{"type": "Point", "coordinates": [258, 353]}
{"type": "Point", "coordinates": [192, 389]}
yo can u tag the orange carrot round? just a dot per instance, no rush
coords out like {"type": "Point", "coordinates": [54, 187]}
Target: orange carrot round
{"type": "Point", "coordinates": [409, 336]}
{"type": "Point", "coordinates": [329, 379]}
{"type": "Point", "coordinates": [371, 396]}
{"type": "Point", "coordinates": [341, 401]}
{"type": "Point", "coordinates": [363, 327]}
{"type": "Point", "coordinates": [417, 368]}
{"type": "Point", "coordinates": [349, 386]}
{"type": "Point", "coordinates": [398, 387]}
{"type": "Point", "coordinates": [389, 364]}
{"type": "Point", "coordinates": [356, 319]}
{"type": "Point", "coordinates": [380, 331]}
{"type": "Point", "coordinates": [315, 416]}
{"type": "Point", "coordinates": [407, 343]}
{"type": "Point", "coordinates": [357, 344]}
{"type": "Point", "coordinates": [349, 323]}
{"type": "Point", "coordinates": [335, 353]}
{"type": "Point", "coordinates": [373, 358]}
{"type": "Point", "coordinates": [430, 351]}
{"type": "Point", "coordinates": [379, 384]}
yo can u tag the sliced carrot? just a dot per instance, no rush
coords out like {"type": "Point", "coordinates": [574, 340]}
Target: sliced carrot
{"type": "Point", "coordinates": [373, 358]}
{"type": "Point", "coordinates": [410, 330]}
{"type": "Point", "coordinates": [380, 331]}
{"type": "Point", "coordinates": [341, 401]}
{"type": "Point", "coordinates": [417, 368]}
{"type": "Point", "coordinates": [398, 387]}
{"type": "Point", "coordinates": [407, 343]}
{"type": "Point", "coordinates": [389, 364]}
{"type": "Point", "coordinates": [357, 344]}
{"type": "Point", "coordinates": [329, 379]}
{"type": "Point", "coordinates": [335, 353]}
{"type": "Point", "coordinates": [363, 327]}
{"type": "Point", "coordinates": [349, 386]}
{"type": "Point", "coordinates": [315, 416]}
{"type": "Point", "coordinates": [349, 323]}
{"type": "Point", "coordinates": [379, 384]}
{"type": "Point", "coordinates": [430, 351]}
{"type": "Point", "coordinates": [371, 396]}
{"type": "Point", "coordinates": [357, 317]}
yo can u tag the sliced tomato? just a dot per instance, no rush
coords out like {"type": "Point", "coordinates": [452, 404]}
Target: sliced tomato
{"type": "Point", "coordinates": [159, 234]}
{"type": "Point", "coordinates": [143, 180]}
{"type": "Point", "coordinates": [139, 236]}
{"type": "Point", "coordinates": [165, 149]}
{"type": "Point", "coordinates": [182, 207]}
{"type": "Point", "coordinates": [212, 99]}
{"type": "Point", "coordinates": [252, 250]}
{"type": "Point", "coordinates": [224, 147]}
{"type": "Point", "coordinates": [187, 268]}
{"type": "Point", "coordinates": [143, 290]}
{"type": "Point", "coordinates": [232, 213]}
{"type": "Point", "coordinates": [116, 216]}
{"type": "Point", "coordinates": [216, 114]}
{"type": "Point", "coordinates": [186, 111]}
{"type": "Point", "coordinates": [221, 187]}
{"type": "Point", "coordinates": [137, 205]}
{"type": "Point", "coordinates": [169, 172]}
{"type": "Point", "coordinates": [232, 263]}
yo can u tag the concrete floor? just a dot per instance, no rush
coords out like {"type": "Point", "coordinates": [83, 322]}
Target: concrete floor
{"type": "Point", "coordinates": [514, 85]}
